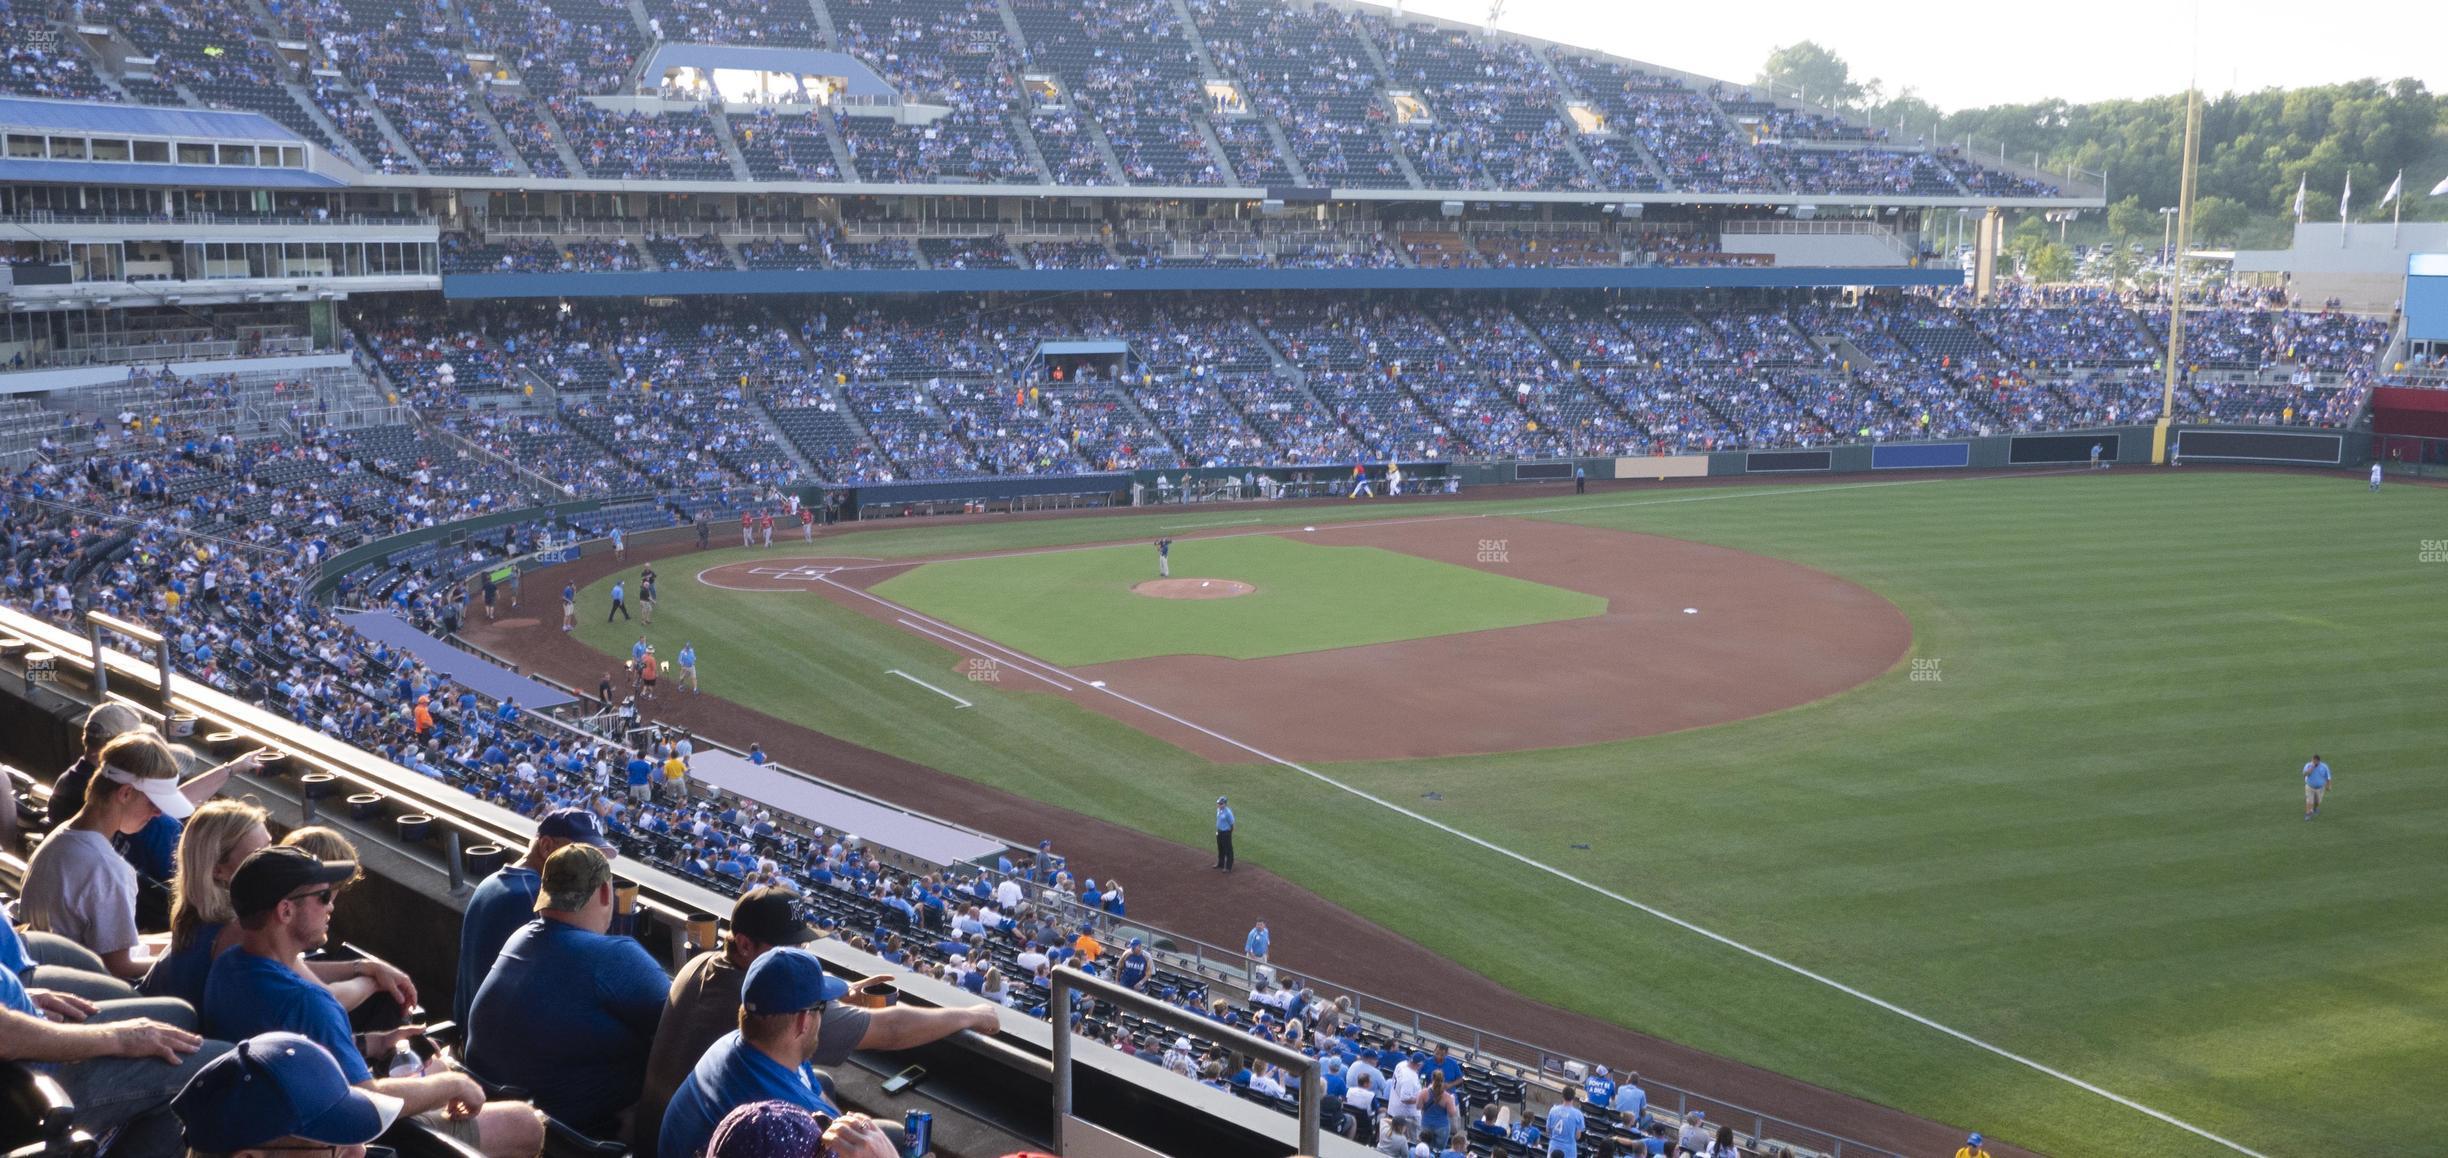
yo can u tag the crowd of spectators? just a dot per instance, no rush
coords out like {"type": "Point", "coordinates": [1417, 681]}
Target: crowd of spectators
{"type": "Point", "coordinates": [670, 145]}
{"type": "Point", "coordinates": [1306, 102]}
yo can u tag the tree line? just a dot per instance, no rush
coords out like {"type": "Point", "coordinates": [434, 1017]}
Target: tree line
{"type": "Point", "coordinates": [2254, 146]}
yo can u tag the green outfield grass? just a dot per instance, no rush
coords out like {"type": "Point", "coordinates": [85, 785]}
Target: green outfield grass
{"type": "Point", "coordinates": [2080, 842]}
{"type": "Point", "coordinates": [1076, 607]}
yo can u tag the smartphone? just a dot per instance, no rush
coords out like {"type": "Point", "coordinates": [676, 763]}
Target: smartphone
{"type": "Point", "coordinates": [905, 1079]}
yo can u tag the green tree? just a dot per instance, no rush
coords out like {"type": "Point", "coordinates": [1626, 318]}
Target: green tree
{"type": "Point", "coordinates": [2129, 218]}
{"type": "Point", "coordinates": [2049, 262]}
{"type": "Point", "coordinates": [1822, 76]}
{"type": "Point", "coordinates": [2218, 219]}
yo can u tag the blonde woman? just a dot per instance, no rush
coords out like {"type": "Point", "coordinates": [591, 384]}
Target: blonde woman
{"type": "Point", "coordinates": [350, 981]}
{"type": "Point", "coordinates": [219, 835]}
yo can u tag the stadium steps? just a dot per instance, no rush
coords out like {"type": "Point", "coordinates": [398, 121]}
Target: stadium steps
{"type": "Point", "coordinates": [501, 138]}
{"type": "Point", "coordinates": [1572, 133]}
{"type": "Point", "coordinates": [1198, 44]}
{"type": "Point", "coordinates": [1385, 130]}
{"type": "Point", "coordinates": [1283, 149]}
{"type": "Point", "coordinates": [1730, 131]}
{"type": "Point", "coordinates": [382, 124]}
{"type": "Point", "coordinates": [560, 137]}
{"type": "Point", "coordinates": [334, 140]}
{"type": "Point", "coordinates": [841, 405]}
{"type": "Point", "coordinates": [827, 36]}
{"type": "Point", "coordinates": [1011, 28]}
{"type": "Point", "coordinates": [1215, 151]}
{"type": "Point", "coordinates": [842, 163]}
{"type": "Point", "coordinates": [1019, 126]}
{"type": "Point", "coordinates": [731, 149]}
{"type": "Point", "coordinates": [1104, 147]}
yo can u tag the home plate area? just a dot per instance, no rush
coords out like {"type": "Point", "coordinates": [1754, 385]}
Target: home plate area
{"type": "Point", "coordinates": [775, 574]}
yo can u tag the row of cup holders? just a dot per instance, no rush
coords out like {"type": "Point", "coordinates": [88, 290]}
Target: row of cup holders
{"type": "Point", "coordinates": [480, 860]}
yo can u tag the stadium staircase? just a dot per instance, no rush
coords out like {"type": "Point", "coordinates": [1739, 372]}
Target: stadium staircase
{"type": "Point", "coordinates": [731, 149]}
{"type": "Point", "coordinates": [1606, 399]}
{"type": "Point", "coordinates": [1385, 130]}
{"type": "Point", "coordinates": [484, 115]}
{"type": "Point", "coordinates": [1283, 149]}
{"type": "Point", "coordinates": [560, 137]}
{"type": "Point", "coordinates": [332, 136]}
{"type": "Point", "coordinates": [1017, 122]}
{"type": "Point", "coordinates": [827, 36]}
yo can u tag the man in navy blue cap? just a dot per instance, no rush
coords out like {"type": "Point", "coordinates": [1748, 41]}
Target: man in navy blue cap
{"type": "Point", "coordinates": [505, 901]}
{"type": "Point", "coordinates": [783, 1036]}
{"type": "Point", "coordinates": [279, 1092]}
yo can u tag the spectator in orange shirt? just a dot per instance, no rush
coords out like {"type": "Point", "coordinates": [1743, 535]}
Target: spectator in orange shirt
{"type": "Point", "coordinates": [1087, 947]}
{"type": "Point", "coordinates": [424, 715]}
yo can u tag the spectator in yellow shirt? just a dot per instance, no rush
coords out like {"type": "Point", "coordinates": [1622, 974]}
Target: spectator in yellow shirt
{"type": "Point", "coordinates": [1972, 1148]}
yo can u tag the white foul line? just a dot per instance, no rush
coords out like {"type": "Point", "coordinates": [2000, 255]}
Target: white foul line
{"type": "Point", "coordinates": [922, 629]}
{"type": "Point", "coordinates": [930, 687]}
{"type": "Point", "coordinates": [1020, 663]}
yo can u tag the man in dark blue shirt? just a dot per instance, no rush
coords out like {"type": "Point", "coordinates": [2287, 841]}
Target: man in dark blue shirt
{"type": "Point", "coordinates": [568, 1013]}
{"type": "Point", "coordinates": [506, 900]}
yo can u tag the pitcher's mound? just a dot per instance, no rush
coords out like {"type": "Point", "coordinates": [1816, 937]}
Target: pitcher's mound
{"type": "Point", "coordinates": [1192, 588]}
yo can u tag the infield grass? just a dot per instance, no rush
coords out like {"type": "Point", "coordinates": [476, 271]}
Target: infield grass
{"type": "Point", "coordinates": [2081, 842]}
{"type": "Point", "coordinates": [1076, 607]}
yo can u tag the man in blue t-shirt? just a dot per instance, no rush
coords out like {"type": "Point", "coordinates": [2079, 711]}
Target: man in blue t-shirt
{"type": "Point", "coordinates": [283, 899]}
{"type": "Point", "coordinates": [568, 1013]}
{"type": "Point", "coordinates": [1565, 1125]}
{"type": "Point", "coordinates": [1631, 1102]}
{"type": "Point", "coordinates": [506, 900]}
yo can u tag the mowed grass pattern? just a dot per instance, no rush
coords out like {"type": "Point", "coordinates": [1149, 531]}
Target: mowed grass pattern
{"type": "Point", "coordinates": [1076, 607]}
{"type": "Point", "coordinates": [2080, 843]}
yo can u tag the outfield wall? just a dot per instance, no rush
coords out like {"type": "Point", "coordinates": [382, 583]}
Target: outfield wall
{"type": "Point", "coordinates": [2053, 450]}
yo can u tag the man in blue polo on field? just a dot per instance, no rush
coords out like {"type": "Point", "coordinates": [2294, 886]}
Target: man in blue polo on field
{"type": "Point", "coordinates": [2316, 785]}
{"type": "Point", "coordinates": [1224, 833]}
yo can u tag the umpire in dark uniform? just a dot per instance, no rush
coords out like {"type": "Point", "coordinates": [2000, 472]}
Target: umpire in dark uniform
{"type": "Point", "coordinates": [1224, 831]}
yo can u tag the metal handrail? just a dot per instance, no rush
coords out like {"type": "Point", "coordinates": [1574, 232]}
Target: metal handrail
{"type": "Point", "coordinates": [1068, 979]}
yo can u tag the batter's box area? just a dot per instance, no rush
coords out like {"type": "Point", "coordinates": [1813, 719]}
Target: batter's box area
{"type": "Point", "coordinates": [779, 574]}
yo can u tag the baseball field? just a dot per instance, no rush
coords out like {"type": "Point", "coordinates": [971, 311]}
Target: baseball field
{"type": "Point", "coordinates": [1973, 797]}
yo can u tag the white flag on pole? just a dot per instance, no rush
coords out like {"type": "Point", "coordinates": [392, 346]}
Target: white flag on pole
{"type": "Point", "coordinates": [2346, 199]}
{"type": "Point", "coordinates": [2302, 184]}
{"type": "Point", "coordinates": [2395, 187]}
{"type": "Point", "coordinates": [2441, 189]}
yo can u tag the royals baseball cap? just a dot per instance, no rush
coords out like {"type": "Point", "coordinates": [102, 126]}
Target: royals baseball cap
{"type": "Point", "coordinates": [787, 981]}
{"type": "Point", "coordinates": [273, 1086]}
{"type": "Point", "coordinates": [267, 877]}
{"type": "Point", "coordinates": [575, 824]}
{"type": "Point", "coordinates": [770, 916]}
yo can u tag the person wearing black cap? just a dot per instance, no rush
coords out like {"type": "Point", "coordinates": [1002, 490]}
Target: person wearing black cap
{"type": "Point", "coordinates": [504, 902]}
{"type": "Point", "coordinates": [279, 1092]}
{"type": "Point", "coordinates": [568, 1013]}
{"type": "Point", "coordinates": [283, 899]}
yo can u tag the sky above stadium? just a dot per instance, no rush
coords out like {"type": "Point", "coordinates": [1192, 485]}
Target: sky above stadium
{"type": "Point", "coordinates": [2083, 50]}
